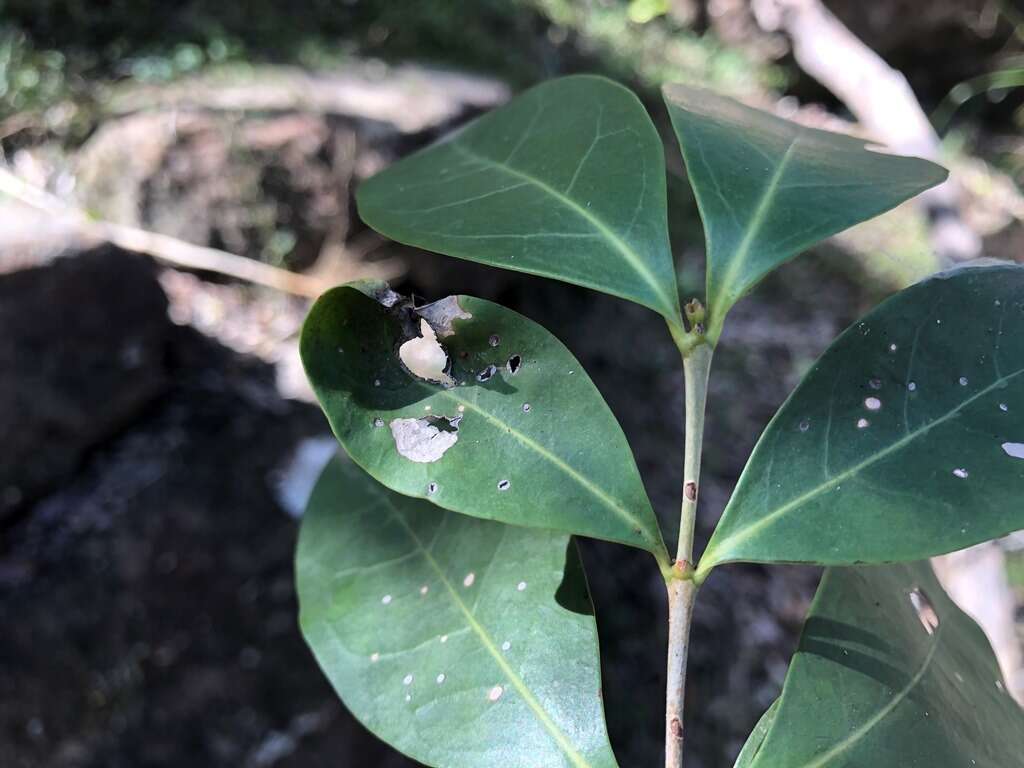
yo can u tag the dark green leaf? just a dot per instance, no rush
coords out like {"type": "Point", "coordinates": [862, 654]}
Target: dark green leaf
{"type": "Point", "coordinates": [890, 674]}
{"type": "Point", "coordinates": [523, 436]}
{"type": "Point", "coordinates": [768, 188]}
{"type": "Point", "coordinates": [566, 181]}
{"type": "Point", "coordinates": [904, 441]}
{"type": "Point", "coordinates": [461, 642]}
{"type": "Point", "coordinates": [746, 756]}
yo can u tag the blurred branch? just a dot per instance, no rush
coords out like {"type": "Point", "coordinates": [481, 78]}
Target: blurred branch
{"type": "Point", "coordinates": [879, 97]}
{"type": "Point", "coordinates": [179, 253]}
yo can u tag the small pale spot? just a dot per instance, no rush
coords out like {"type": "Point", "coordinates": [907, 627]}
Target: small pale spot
{"type": "Point", "coordinates": [893, 347]}
{"type": "Point", "coordinates": [374, 658]}
{"type": "Point", "coordinates": [527, 407]}
{"type": "Point", "coordinates": [386, 600]}
{"type": "Point", "coordinates": [875, 384]}
{"type": "Point", "coordinates": [912, 386]}
{"type": "Point", "coordinates": [504, 485]}
{"type": "Point", "coordinates": [408, 697]}
{"type": "Point", "coordinates": [462, 409]}
{"type": "Point", "coordinates": [494, 340]}
{"type": "Point", "coordinates": [470, 578]}
{"type": "Point", "coordinates": [863, 423]}
{"type": "Point", "coordinates": [872, 403]}
{"type": "Point", "coordinates": [495, 693]}
{"type": "Point", "coordinates": [962, 473]}
{"type": "Point", "coordinates": [1000, 687]}
{"type": "Point", "coordinates": [376, 382]}
{"type": "Point", "coordinates": [424, 589]}
{"type": "Point", "coordinates": [407, 680]}
{"type": "Point", "coordinates": [963, 381]}
{"type": "Point", "coordinates": [444, 638]}
{"type": "Point", "coordinates": [440, 678]}
{"type": "Point", "coordinates": [925, 610]}
{"type": "Point", "coordinates": [521, 586]}
{"type": "Point", "coordinates": [426, 407]}
{"type": "Point", "coordinates": [804, 425]}
{"type": "Point", "coordinates": [1004, 407]}
{"type": "Point", "coordinates": [378, 422]}
{"type": "Point", "coordinates": [506, 645]}
{"type": "Point", "coordinates": [1014, 450]}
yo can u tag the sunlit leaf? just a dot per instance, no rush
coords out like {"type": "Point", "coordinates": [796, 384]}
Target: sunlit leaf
{"type": "Point", "coordinates": [904, 441]}
{"type": "Point", "coordinates": [768, 188]}
{"type": "Point", "coordinates": [566, 181]}
{"type": "Point", "coordinates": [889, 674]}
{"type": "Point", "coordinates": [517, 433]}
{"type": "Point", "coordinates": [460, 642]}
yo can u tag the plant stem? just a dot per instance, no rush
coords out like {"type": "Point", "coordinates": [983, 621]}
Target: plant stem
{"type": "Point", "coordinates": [681, 588]}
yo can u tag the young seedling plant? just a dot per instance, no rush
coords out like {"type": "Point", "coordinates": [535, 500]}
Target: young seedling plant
{"type": "Point", "coordinates": [440, 589]}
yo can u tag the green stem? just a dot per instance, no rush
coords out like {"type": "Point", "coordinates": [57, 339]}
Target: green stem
{"type": "Point", "coordinates": [682, 590]}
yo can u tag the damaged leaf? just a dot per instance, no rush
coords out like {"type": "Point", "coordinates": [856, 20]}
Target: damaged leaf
{"type": "Point", "coordinates": [768, 188]}
{"type": "Point", "coordinates": [889, 673]}
{"type": "Point", "coordinates": [520, 434]}
{"type": "Point", "coordinates": [461, 642]}
{"type": "Point", "coordinates": [892, 447]}
{"type": "Point", "coordinates": [566, 181]}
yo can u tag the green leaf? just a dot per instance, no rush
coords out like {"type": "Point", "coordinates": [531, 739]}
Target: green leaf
{"type": "Point", "coordinates": [566, 181]}
{"type": "Point", "coordinates": [460, 642]}
{"type": "Point", "coordinates": [768, 188]}
{"type": "Point", "coordinates": [904, 441]}
{"type": "Point", "coordinates": [524, 436]}
{"type": "Point", "coordinates": [745, 759]}
{"type": "Point", "coordinates": [890, 672]}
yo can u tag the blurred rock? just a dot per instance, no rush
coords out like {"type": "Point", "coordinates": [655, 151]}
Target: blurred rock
{"type": "Point", "coordinates": [81, 355]}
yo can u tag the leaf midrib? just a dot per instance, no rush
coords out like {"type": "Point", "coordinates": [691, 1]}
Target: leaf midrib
{"type": "Point", "coordinates": [492, 648]}
{"type": "Point", "coordinates": [730, 542]}
{"type": "Point", "coordinates": [850, 740]}
{"type": "Point", "coordinates": [757, 221]}
{"type": "Point", "coordinates": [609, 501]}
{"type": "Point", "coordinates": [632, 257]}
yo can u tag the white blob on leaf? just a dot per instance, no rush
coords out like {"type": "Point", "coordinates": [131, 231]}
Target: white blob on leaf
{"type": "Point", "coordinates": [1014, 450]}
{"type": "Point", "coordinates": [495, 693]}
{"type": "Point", "coordinates": [425, 358]}
{"type": "Point", "coordinates": [421, 440]}
{"type": "Point", "coordinates": [925, 610]}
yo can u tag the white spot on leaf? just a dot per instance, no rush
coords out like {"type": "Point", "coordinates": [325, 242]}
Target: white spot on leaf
{"type": "Point", "coordinates": [407, 680]}
{"type": "Point", "coordinates": [872, 403]}
{"type": "Point", "coordinates": [425, 358]}
{"type": "Point", "coordinates": [961, 473]}
{"type": "Point", "coordinates": [521, 586]}
{"type": "Point", "coordinates": [495, 693]}
{"type": "Point", "coordinates": [925, 610]}
{"type": "Point", "coordinates": [421, 440]}
{"type": "Point", "coordinates": [470, 578]}
{"type": "Point", "coordinates": [1014, 450]}
{"type": "Point", "coordinates": [386, 600]}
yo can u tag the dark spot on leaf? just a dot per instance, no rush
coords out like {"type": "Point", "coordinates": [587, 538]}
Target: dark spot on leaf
{"type": "Point", "coordinates": [690, 490]}
{"type": "Point", "coordinates": [514, 364]}
{"type": "Point", "coordinates": [677, 729]}
{"type": "Point", "coordinates": [486, 373]}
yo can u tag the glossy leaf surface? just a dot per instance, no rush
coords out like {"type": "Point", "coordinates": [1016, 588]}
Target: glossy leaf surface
{"type": "Point", "coordinates": [904, 441]}
{"type": "Point", "coordinates": [890, 673]}
{"type": "Point", "coordinates": [461, 642]}
{"type": "Point", "coordinates": [523, 437]}
{"type": "Point", "coordinates": [566, 181]}
{"type": "Point", "coordinates": [768, 188]}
